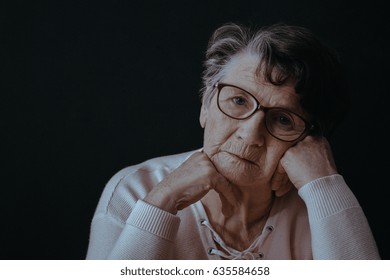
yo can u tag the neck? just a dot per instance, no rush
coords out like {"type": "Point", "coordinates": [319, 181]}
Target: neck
{"type": "Point", "coordinates": [240, 224]}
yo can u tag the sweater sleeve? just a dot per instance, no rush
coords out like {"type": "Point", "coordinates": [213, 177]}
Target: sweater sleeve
{"type": "Point", "coordinates": [126, 227]}
{"type": "Point", "coordinates": [339, 228]}
{"type": "Point", "coordinates": [147, 234]}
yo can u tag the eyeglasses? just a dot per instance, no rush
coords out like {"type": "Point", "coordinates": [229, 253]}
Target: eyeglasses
{"type": "Point", "coordinates": [281, 123]}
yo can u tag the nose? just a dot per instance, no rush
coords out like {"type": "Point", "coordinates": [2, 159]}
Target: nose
{"type": "Point", "coordinates": [252, 130]}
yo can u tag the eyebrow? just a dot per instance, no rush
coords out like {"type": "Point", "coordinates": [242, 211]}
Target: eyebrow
{"type": "Point", "coordinates": [293, 109]}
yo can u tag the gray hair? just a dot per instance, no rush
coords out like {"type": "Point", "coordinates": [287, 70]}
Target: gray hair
{"type": "Point", "coordinates": [287, 54]}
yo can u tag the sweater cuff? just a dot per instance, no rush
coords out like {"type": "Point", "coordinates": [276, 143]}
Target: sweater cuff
{"type": "Point", "coordinates": [327, 196]}
{"type": "Point", "coordinates": [154, 220]}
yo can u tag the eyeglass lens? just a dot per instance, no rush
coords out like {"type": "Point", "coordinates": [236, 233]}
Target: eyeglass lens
{"type": "Point", "coordinates": [239, 104]}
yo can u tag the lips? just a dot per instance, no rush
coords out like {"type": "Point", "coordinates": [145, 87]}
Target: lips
{"type": "Point", "coordinates": [240, 157]}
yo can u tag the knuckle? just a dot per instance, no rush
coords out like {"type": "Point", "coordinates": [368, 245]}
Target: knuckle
{"type": "Point", "coordinates": [209, 172]}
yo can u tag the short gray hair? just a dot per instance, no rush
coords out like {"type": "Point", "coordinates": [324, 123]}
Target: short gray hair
{"type": "Point", "coordinates": [287, 54]}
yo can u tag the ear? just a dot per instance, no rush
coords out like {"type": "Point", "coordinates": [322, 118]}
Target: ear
{"type": "Point", "coordinates": [203, 116]}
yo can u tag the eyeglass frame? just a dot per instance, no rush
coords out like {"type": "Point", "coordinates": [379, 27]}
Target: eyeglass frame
{"type": "Point", "coordinates": [308, 126]}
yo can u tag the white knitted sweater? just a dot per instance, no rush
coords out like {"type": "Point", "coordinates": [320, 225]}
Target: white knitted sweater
{"type": "Point", "coordinates": [322, 221]}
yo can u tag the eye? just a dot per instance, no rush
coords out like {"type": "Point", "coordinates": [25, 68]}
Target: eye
{"type": "Point", "coordinates": [239, 100]}
{"type": "Point", "coordinates": [285, 120]}
{"type": "Point", "coordinates": [280, 120]}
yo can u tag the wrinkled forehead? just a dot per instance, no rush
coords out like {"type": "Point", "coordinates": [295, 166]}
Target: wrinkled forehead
{"type": "Point", "coordinates": [248, 65]}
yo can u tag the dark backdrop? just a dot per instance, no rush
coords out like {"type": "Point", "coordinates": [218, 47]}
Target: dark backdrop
{"type": "Point", "coordinates": [89, 87]}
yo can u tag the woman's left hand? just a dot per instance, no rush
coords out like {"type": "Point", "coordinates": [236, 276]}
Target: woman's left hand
{"type": "Point", "coordinates": [308, 160]}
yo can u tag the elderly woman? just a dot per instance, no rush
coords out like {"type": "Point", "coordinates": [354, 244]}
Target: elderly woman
{"type": "Point", "coordinates": [264, 185]}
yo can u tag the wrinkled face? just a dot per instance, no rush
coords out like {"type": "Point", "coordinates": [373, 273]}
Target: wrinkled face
{"type": "Point", "coordinates": [242, 150]}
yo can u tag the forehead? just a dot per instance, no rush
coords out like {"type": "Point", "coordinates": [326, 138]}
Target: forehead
{"type": "Point", "coordinates": [242, 71]}
{"type": "Point", "coordinates": [243, 66]}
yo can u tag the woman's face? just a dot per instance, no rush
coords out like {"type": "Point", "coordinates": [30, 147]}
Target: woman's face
{"type": "Point", "coordinates": [243, 150]}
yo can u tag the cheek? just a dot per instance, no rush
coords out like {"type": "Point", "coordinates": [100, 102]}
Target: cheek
{"type": "Point", "coordinates": [217, 132]}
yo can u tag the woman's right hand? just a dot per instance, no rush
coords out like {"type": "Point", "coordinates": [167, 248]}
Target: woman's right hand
{"type": "Point", "coordinates": [187, 184]}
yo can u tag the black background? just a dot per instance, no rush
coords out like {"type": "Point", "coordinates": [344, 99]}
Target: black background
{"type": "Point", "coordinates": [89, 87]}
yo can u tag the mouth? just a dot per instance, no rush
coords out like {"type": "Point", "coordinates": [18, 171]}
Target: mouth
{"type": "Point", "coordinates": [240, 158]}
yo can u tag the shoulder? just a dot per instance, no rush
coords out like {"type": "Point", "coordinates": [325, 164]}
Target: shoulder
{"type": "Point", "coordinates": [168, 162]}
{"type": "Point", "coordinates": [132, 183]}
